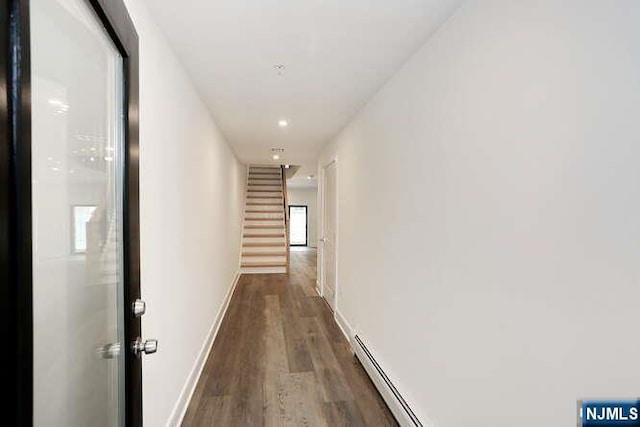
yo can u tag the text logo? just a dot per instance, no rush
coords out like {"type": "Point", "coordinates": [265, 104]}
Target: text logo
{"type": "Point", "coordinates": [609, 413]}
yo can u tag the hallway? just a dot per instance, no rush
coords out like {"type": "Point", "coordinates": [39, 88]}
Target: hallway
{"type": "Point", "coordinates": [280, 359]}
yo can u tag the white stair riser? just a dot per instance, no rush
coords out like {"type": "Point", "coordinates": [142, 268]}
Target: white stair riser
{"type": "Point", "coordinates": [270, 240]}
{"type": "Point", "coordinates": [260, 233]}
{"type": "Point", "coordinates": [273, 188]}
{"type": "Point", "coordinates": [278, 249]}
{"type": "Point", "coordinates": [266, 194]}
{"type": "Point", "coordinates": [265, 183]}
{"type": "Point", "coordinates": [264, 174]}
{"type": "Point", "coordinates": [269, 224]}
{"type": "Point", "coordinates": [276, 216]}
{"type": "Point", "coordinates": [252, 209]}
{"type": "Point", "coordinates": [262, 216]}
{"type": "Point", "coordinates": [261, 200]}
{"type": "Point", "coordinates": [264, 259]}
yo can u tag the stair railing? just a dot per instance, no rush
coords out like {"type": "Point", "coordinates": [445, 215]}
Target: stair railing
{"type": "Point", "coordinates": [286, 214]}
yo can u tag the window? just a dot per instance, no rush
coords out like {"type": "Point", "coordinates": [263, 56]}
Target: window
{"type": "Point", "coordinates": [81, 215]}
{"type": "Point", "coordinates": [297, 225]}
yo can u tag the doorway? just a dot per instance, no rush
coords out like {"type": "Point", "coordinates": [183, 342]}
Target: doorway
{"type": "Point", "coordinates": [329, 238]}
{"type": "Point", "coordinates": [70, 265]}
{"type": "Point", "coordinates": [298, 225]}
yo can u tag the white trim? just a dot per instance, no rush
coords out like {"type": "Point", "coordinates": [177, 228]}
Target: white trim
{"type": "Point", "coordinates": [344, 326]}
{"type": "Point", "coordinates": [180, 408]}
{"type": "Point", "coordinates": [402, 408]}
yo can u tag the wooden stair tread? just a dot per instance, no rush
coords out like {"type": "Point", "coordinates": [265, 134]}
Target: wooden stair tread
{"type": "Point", "coordinates": [264, 197]}
{"type": "Point", "coordinates": [266, 185]}
{"type": "Point", "coordinates": [280, 218]}
{"type": "Point", "coordinates": [263, 204]}
{"type": "Point", "coordinates": [275, 211]}
{"type": "Point", "coordinates": [250, 254]}
{"type": "Point", "coordinates": [264, 227]}
{"type": "Point", "coordinates": [269, 235]}
{"type": "Point", "coordinates": [264, 191]}
{"type": "Point", "coordinates": [263, 264]}
{"type": "Point", "coordinates": [262, 245]}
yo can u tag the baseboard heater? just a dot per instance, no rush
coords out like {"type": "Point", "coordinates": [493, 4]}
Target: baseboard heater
{"type": "Point", "coordinates": [398, 406]}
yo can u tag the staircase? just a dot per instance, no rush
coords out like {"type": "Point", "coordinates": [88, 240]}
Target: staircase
{"type": "Point", "coordinates": [264, 232]}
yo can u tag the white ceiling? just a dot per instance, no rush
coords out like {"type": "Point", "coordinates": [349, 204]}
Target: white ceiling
{"type": "Point", "coordinates": [336, 53]}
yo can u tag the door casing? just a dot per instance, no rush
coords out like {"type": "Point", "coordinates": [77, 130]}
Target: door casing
{"type": "Point", "coordinates": [16, 281]}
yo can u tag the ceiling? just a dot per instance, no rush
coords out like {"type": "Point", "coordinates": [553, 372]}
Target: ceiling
{"type": "Point", "coordinates": [336, 55]}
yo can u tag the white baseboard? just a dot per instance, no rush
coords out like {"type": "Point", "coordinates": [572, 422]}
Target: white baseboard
{"type": "Point", "coordinates": [401, 409]}
{"type": "Point", "coordinates": [180, 409]}
{"type": "Point", "coordinates": [344, 326]}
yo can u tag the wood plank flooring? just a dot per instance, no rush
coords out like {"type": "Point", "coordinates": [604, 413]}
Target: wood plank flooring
{"type": "Point", "coordinates": [280, 360]}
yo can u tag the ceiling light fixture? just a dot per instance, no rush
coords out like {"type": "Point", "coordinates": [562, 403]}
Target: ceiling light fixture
{"type": "Point", "coordinates": [283, 123]}
{"type": "Point", "coordinates": [310, 177]}
{"type": "Point", "coordinates": [286, 166]}
{"type": "Point", "coordinates": [276, 157]}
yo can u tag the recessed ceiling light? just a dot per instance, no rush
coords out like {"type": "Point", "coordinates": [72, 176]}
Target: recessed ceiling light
{"type": "Point", "coordinates": [275, 157]}
{"type": "Point", "coordinates": [283, 123]}
{"type": "Point", "coordinates": [286, 166]}
{"type": "Point", "coordinates": [310, 176]}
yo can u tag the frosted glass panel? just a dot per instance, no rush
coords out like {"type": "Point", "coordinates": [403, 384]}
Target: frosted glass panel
{"type": "Point", "coordinates": [77, 140]}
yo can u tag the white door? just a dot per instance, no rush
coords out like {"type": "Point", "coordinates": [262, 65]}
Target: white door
{"type": "Point", "coordinates": [329, 239]}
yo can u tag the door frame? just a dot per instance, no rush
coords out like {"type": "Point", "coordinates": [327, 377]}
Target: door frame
{"type": "Point", "coordinates": [306, 213]}
{"type": "Point", "coordinates": [16, 280]}
{"type": "Point", "coordinates": [323, 276]}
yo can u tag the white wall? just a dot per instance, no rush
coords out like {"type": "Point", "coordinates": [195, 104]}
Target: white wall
{"type": "Point", "coordinates": [309, 198]}
{"type": "Point", "coordinates": [192, 189]}
{"type": "Point", "coordinates": [489, 245]}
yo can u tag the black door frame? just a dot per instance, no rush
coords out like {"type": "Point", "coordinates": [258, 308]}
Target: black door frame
{"type": "Point", "coordinates": [16, 281]}
{"type": "Point", "coordinates": [306, 225]}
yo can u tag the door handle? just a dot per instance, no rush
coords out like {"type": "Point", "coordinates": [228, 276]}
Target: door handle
{"type": "Point", "coordinates": [140, 346]}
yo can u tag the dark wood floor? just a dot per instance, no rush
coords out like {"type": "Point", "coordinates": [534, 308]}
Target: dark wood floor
{"type": "Point", "coordinates": [280, 359]}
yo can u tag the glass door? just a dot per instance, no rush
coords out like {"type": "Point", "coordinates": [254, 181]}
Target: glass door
{"type": "Point", "coordinates": [77, 143]}
{"type": "Point", "coordinates": [69, 219]}
{"type": "Point", "coordinates": [298, 225]}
